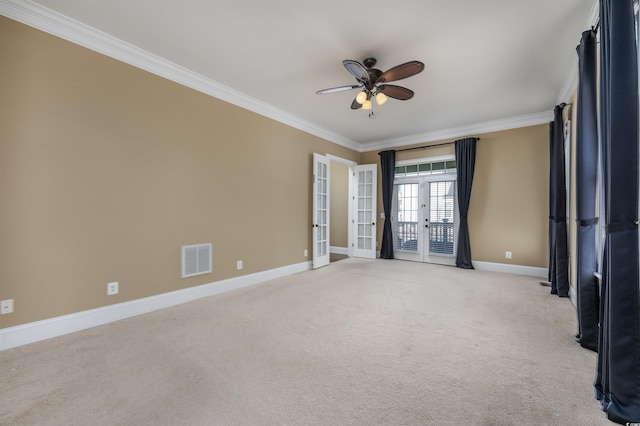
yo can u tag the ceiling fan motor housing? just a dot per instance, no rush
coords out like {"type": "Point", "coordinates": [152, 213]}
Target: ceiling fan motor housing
{"type": "Point", "coordinates": [373, 78]}
{"type": "Point", "coordinates": [374, 74]}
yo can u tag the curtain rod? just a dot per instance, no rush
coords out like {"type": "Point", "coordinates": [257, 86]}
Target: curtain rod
{"type": "Point", "coordinates": [429, 146]}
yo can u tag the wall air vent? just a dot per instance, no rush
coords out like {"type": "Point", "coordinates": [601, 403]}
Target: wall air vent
{"type": "Point", "coordinates": [196, 260]}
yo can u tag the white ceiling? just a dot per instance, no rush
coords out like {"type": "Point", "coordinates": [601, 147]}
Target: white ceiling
{"type": "Point", "coordinates": [486, 61]}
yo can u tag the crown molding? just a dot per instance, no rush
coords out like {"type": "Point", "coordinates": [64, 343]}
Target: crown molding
{"type": "Point", "coordinates": [59, 25]}
{"type": "Point", "coordinates": [469, 130]}
{"type": "Point", "coordinates": [49, 21]}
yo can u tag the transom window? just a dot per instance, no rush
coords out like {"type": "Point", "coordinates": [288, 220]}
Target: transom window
{"type": "Point", "coordinates": [425, 168]}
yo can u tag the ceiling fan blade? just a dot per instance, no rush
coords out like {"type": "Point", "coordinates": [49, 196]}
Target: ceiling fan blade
{"type": "Point", "coordinates": [356, 69]}
{"type": "Point", "coordinates": [396, 92]}
{"type": "Point", "coordinates": [337, 89]}
{"type": "Point", "coordinates": [402, 71]}
{"type": "Point", "coordinates": [355, 105]}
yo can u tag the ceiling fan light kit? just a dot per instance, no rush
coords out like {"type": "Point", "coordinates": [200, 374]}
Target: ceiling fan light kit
{"type": "Point", "coordinates": [361, 97]}
{"type": "Point", "coordinates": [372, 82]}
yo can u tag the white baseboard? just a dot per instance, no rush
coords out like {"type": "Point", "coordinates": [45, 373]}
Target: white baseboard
{"type": "Point", "coordinates": [24, 334]}
{"type": "Point", "coordinates": [339, 250]}
{"type": "Point", "coordinates": [510, 269]}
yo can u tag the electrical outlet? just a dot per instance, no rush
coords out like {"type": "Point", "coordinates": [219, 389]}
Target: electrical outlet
{"type": "Point", "coordinates": [507, 255]}
{"type": "Point", "coordinates": [112, 288]}
{"type": "Point", "coordinates": [6, 306]}
{"type": "Point", "coordinates": [239, 265]}
{"type": "Point", "coordinates": [306, 252]}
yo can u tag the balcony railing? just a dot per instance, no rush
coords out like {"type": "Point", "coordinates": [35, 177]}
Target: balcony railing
{"type": "Point", "coordinates": [407, 236]}
{"type": "Point", "coordinates": [441, 237]}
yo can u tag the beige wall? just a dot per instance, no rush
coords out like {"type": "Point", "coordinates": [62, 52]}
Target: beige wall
{"type": "Point", "coordinates": [510, 197]}
{"type": "Point", "coordinates": [107, 170]}
{"type": "Point", "coordinates": [339, 205]}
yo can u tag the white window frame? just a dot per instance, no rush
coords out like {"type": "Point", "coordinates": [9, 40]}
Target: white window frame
{"type": "Point", "coordinates": [426, 178]}
{"type": "Point", "coordinates": [427, 160]}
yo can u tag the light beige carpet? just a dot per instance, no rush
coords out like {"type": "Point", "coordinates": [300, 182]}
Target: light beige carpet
{"type": "Point", "coordinates": [359, 342]}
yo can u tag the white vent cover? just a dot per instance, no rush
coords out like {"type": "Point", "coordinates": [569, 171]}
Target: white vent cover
{"type": "Point", "coordinates": [196, 260]}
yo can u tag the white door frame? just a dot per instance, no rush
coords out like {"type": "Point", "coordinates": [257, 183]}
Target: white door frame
{"type": "Point", "coordinates": [349, 164]}
{"type": "Point", "coordinates": [317, 263]}
{"type": "Point", "coordinates": [423, 254]}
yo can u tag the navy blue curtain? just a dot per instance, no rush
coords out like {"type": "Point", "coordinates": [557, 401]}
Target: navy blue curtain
{"type": "Point", "coordinates": [552, 203]}
{"type": "Point", "coordinates": [388, 166]}
{"type": "Point", "coordinates": [559, 266]}
{"type": "Point", "coordinates": [586, 182]}
{"type": "Point", "coordinates": [465, 165]}
{"type": "Point", "coordinates": [618, 379]}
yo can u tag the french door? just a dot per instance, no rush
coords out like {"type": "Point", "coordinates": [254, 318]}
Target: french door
{"type": "Point", "coordinates": [362, 211]}
{"type": "Point", "coordinates": [425, 220]}
{"type": "Point", "coordinates": [363, 222]}
{"type": "Point", "coordinates": [320, 223]}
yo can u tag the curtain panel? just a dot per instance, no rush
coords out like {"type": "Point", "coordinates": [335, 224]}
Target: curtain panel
{"type": "Point", "coordinates": [618, 378]}
{"type": "Point", "coordinates": [388, 166]}
{"type": "Point", "coordinates": [559, 266]}
{"type": "Point", "coordinates": [552, 204]}
{"type": "Point", "coordinates": [586, 183]}
{"type": "Point", "coordinates": [465, 165]}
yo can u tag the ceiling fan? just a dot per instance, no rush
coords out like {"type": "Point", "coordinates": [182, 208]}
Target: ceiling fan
{"type": "Point", "coordinates": [373, 82]}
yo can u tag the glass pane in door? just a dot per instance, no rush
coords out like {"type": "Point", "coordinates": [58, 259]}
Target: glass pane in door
{"type": "Point", "coordinates": [364, 213]}
{"type": "Point", "coordinates": [406, 231]}
{"type": "Point", "coordinates": [321, 182]}
{"type": "Point", "coordinates": [441, 215]}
